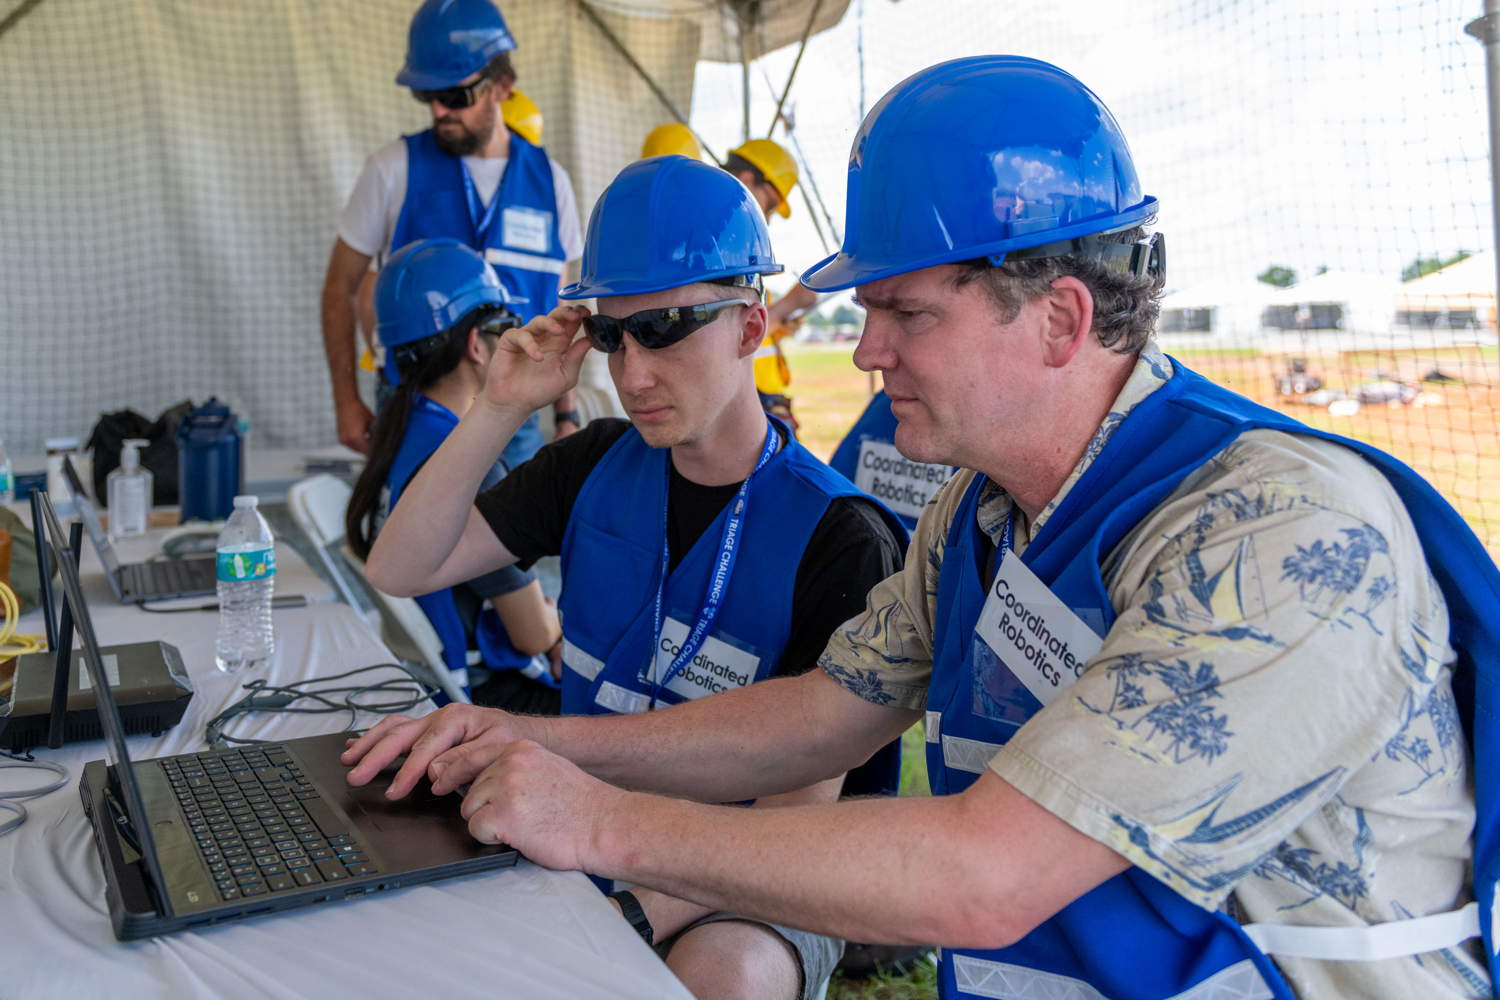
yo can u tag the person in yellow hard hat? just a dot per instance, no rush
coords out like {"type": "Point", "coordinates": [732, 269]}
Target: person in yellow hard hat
{"type": "Point", "coordinates": [669, 139]}
{"type": "Point", "coordinates": [522, 116]}
{"type": "Point", "coordinates": [770, 173]}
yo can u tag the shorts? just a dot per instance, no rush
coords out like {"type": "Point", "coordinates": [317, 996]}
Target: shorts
{"type": "Point", "coordinates": [817, 954]}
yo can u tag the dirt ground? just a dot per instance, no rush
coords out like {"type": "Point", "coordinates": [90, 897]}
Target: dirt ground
{"type": "Point", "coordinates": [1450, 433]}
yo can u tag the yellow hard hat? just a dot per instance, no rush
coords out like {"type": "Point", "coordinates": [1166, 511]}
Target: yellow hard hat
{"type": "Point", "coordinates": [776, 165]}
{"type": "Point", "coordinates": [523, 117]}
{"type": "Point", "coordinates": [671, 138]}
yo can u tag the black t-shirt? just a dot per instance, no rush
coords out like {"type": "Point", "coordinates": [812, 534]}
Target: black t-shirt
{"type": "Point", "coordinates": [850, 551]}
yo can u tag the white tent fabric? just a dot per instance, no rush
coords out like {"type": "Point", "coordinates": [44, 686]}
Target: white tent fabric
{"type": "Point", "coordinates": [1468, 285]}
{"type": "Point", "coordinates": [173, 173]}
{"type": "Point", "coordinates": [764, 25]}
{"type": "Point", "coordinates": [1367, 301]}
{"type": "Point", "coordinates": [1234, 307]}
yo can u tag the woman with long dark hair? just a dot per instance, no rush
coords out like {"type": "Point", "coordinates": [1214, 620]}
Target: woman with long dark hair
{"type": "Point", "coordinates": [439, 312]}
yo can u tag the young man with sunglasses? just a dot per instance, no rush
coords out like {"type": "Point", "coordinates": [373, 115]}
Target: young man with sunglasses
{"type": "Point", "coordinates": [469, 178]}
{"type": "Point", "coordinates": [703, 548]}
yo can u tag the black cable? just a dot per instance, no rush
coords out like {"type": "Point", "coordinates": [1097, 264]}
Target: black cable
{"type": "Point", "coordinates": [265, 697]}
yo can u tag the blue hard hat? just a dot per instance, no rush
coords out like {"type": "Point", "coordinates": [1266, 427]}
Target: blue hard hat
{"type": "Point", "coordinates": [427, 287]}
{"type": "Point", "coordinates": [451, 40]}
{"type": "Point", "coordinates": [979, 157]}
{"type": "Point", "coordinates": [668, 221]}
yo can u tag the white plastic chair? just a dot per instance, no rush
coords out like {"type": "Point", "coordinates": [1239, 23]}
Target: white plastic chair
{"type": "Point", "coordinates": [318, 504]}
{"type": "Point", "coordinates": [405, 628]}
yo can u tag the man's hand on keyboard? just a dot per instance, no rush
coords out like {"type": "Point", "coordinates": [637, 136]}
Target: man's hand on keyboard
{"type": "Point", "coordinates": [541, 804]}
{"type": "Point", "coordinates": [466, 737]}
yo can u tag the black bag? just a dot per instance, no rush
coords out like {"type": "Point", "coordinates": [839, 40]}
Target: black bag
{"type": "Point", "coordinates": [159, 457]}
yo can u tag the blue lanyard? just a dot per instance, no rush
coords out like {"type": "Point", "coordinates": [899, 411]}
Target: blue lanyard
{"type": "Point", "coordinates": [481, 216]}
{"type": "Point", "coordinates": [729, 547]}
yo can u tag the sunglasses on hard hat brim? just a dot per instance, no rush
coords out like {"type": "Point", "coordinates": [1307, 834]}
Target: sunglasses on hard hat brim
{"type": "Point", "coordinates": [654, 329]}
{"type": "Point", "coordinates": [452, 98]}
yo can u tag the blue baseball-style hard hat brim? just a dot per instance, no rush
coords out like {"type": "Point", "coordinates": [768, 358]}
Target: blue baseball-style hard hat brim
{"type": "Point", "coordinates": [841, 270]}
{"type": "Point", "coordinates": [612, 289]}
{"type": "Point", "coordinates": [418, 80]}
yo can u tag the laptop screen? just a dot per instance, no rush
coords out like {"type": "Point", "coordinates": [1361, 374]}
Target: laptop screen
{"type": "Point", "coordinates": [109, 712]}
{"type": "Point", "coordinates": [89, 514]}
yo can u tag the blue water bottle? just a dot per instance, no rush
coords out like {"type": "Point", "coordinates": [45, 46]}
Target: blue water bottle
{"type": "Point", "coordinates": [208, 462]}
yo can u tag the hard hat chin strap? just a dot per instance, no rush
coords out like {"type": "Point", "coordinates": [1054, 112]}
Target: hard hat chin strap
{"type": "Point", "coordinates": [1140, 259]}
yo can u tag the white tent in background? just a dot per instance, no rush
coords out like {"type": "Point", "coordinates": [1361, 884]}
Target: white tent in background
{"type": "Point", "coordinates": [1221, 308]}
{"type": "Point", "coordinates": [1461, 296]}
{"type": "Point", "coordinates": [1334, 300]}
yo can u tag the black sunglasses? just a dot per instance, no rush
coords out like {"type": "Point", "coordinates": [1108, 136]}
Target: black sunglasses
{"type": "Point", "coordinates": [452, 98]}
{"type": "Point", "coordinates": [654, 329]}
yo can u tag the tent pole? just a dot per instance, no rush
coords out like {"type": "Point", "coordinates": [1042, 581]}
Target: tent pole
{"type": "Point", "coordinates": [745, 81]}
{"type": "Point", "coordinates": [14, 17]}
{"type": "Point", "coordinates": [641, 72]}
{"type": "Point", "coordinates": [806, 34]}
{"type": "Point", "coordinates": [1487, 30]}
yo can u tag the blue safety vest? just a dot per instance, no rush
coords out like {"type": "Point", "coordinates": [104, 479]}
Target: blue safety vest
{"type": "Point", "coordinates": [427, 427]}
{"type": "Point", "coordinates": [611, 567]}
{"type": "Point", "coordinates": [1133, 937]}
{"type": "Point", "coordinates": [517, 231]}
{"type": "Point", "coordinates": [868, 458]}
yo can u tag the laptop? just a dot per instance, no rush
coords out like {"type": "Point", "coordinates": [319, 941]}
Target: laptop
{"type": "Point", "coordinates": [204, 838]}
{"type": "Point", "coordinates": [134, 583]}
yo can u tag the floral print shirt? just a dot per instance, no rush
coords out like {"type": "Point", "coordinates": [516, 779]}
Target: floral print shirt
{"type": "Point", "coordinates": [1269, 726]}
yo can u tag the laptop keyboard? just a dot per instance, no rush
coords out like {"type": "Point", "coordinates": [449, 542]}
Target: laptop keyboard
{"type": "Point", "coordinates": [259, 823]}
{"type": "Point", "coordinates": [175, 576]}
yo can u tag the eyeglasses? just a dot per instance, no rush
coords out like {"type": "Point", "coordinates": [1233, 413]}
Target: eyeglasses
{"type": "Point", "coordinates": [654, 329]}
{"type": "Point", "coordinates": [453, 98]}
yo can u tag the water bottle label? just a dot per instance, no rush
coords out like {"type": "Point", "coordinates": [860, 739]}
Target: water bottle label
{"type": "Point", "coordinates": [7, 481]}
{"type": "Point", "coordinates": [237, 567]}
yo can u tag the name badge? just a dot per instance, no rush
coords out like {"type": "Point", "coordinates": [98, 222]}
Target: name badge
{"type": "Point", "coordinates": [718, 666]}
{"type": "Point", "coordinates": [890, 477]}
{"type": "Point", "coordinates": [525, 229]}
{"type": "Point", "coordinates": [1038, 638]}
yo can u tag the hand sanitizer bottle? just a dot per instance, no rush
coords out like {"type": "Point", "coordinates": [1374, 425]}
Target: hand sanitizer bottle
{"type": "Point", "coordinates": [129, 493]}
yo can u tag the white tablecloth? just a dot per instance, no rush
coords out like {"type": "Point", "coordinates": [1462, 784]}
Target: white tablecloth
{"type": "Point", "coordinates": [523, 932]}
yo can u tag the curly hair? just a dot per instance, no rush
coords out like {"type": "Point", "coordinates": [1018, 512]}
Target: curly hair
{"type": "Point", "coordinates": [1125, 306]}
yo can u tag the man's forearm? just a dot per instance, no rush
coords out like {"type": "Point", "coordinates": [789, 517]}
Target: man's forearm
{"type": "Point", "coordinates": [670, 914]}
{"type": "Point", "coordinates": [888, 870]}
{"type": "Point", "coordinates": [338, 343]}
{"type": "Point", "coordinates": [765, 739]}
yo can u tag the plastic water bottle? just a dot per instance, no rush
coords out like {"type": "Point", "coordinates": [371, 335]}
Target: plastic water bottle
{"type": "Point", "coordinates": [247, 576]}
{"type": "Point", "coordinates": [7, 477]}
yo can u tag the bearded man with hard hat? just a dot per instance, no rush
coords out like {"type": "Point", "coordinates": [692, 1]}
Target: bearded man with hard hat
{"type": "Point", "coordinates": [469, 177]}
{"type": "Point", "coordinates": [1209, 695]}
{"type": "Point", "coordinates": [703, 549]}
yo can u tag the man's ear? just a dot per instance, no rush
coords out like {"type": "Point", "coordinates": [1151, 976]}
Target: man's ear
{"type": "Point", "coordinates": [1068, 319]}
{"type": "Point", "coordinates": [502, 89]}
{"type": "Point", "coordinates": [753, 328]}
